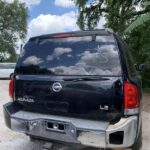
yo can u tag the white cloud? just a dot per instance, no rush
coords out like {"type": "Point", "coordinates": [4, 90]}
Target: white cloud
{"type": "Point", "coordinates": [29, 3]}
{"type": "Point", "coordinates": [64, 3]}
{"type": "Point", "coordinates": [46, 24]}
{"type": "Point", "coordinates": [32, 60]}
{"type": "Point", "coordinates": [101, 60]}
{"type": "Point", "coordinates": [58, 52]}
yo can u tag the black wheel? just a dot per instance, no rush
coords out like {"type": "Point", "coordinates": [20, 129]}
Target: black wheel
{"type": "Point", "coordinates": [138, 144]}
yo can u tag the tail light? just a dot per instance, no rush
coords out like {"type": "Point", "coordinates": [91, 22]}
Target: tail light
{"type": "Point", "coordinates": [11, 88]}
{"type": "Point", "coordinates": [131, 98]}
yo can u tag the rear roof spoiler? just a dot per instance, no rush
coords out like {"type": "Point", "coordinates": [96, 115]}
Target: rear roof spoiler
{"type": "Point", "coordinates": [104, 32]}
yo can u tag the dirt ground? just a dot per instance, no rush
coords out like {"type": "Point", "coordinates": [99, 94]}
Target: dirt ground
{"type": "Point", "coordinates": [10, 140]}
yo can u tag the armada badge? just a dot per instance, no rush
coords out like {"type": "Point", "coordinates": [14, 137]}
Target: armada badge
{"type": "Point", "coordinates": [25, 99]}
{"type": "Point", "coordinates": [56, 87]}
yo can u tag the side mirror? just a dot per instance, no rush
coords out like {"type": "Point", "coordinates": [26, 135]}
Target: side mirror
{"type": "Point", "coordinates": [140, 67]}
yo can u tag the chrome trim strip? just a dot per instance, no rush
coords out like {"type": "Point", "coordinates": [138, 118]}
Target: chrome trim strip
{"type": "Point", "coordinates": [131, 111]}
{"type": "Point", "coordinates": [78, 123]}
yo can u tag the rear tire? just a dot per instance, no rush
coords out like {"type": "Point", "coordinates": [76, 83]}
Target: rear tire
{"type": "Point", "coordinates": [138, 144]}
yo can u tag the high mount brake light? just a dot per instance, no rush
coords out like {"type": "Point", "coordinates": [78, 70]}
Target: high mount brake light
{"type": "Point", "coordinates": [63, 35]}
{"type": "Point", "coordinates": [11, 88]}
{"type": "Point", "coordinates": [131, 96]}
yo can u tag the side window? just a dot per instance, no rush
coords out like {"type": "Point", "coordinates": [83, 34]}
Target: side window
{"type": "Point", "coordinates": [129, 59]}
{"type": "Point", "coordinates": [130, 63]}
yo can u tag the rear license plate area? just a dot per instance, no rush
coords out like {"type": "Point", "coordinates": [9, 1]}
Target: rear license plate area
{"type": "Point", "coordinates": [55, 126]}
{"type": "Point", "coordinates": [57, 106]}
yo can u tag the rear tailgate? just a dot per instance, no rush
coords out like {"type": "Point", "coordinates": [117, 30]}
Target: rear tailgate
{"type": "Point", "coordinates": [47, 60]}
{"type": "Point", "coordinates": [87, 99]}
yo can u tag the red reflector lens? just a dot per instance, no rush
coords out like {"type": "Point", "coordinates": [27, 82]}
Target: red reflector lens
{"type": "Point", "coordinates": [11, 88]}
{"type": "Point", "coordinates": [63, 35]}
{"type": "Point", "coordinates": [131, 99]}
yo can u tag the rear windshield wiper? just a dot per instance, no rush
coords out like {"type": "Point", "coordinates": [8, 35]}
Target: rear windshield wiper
{"type": "Point", "coordinates": [85, 79]}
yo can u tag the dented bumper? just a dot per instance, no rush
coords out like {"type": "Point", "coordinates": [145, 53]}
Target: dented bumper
{"type": "Point", "coordinates": [72, 130]}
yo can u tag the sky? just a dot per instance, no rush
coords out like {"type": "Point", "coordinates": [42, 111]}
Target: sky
{"type": "Point", "coordinates": [52, 16]}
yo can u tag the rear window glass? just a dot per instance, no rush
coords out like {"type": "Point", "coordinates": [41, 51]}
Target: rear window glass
{"type": "Point", "coordinates": [71, 56]}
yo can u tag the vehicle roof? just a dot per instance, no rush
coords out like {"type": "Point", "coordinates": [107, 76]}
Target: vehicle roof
{"type": "Point", "coordinates": [74, 33]}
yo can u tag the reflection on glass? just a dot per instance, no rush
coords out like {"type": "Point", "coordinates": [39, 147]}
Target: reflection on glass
{"type": "Point", "coordinates": [72, 56]}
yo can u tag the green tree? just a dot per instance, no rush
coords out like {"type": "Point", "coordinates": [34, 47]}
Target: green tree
{"type": "Point", "coordinates": [139, 43]}
{"type": "Point", "coordinates": [140, 20]}
{"type": "Point", "coordinates": [13, 26]}
{"type": "Point", "coordinates": [119, 14]}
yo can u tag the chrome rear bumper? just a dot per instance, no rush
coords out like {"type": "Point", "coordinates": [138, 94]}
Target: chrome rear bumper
{"type": "Point", "coordinates": [72, 130]}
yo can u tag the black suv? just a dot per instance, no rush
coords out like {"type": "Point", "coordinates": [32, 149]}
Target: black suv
{"type": "Point", "coordinates": [77, 87]}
